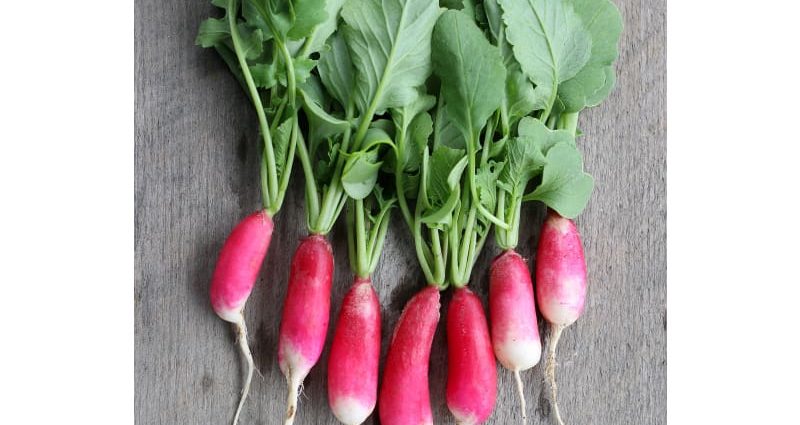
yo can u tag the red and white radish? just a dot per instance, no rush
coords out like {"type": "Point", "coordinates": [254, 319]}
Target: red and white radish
{"type": "Point", "coordinates": [306, 312]}
{"type": "Point", "coordinates": [471, 370]}
{"type": "Point", "coordinates": [404, 397]}
{"type": "Point", "coordinates": [560, 284]}
{"type": "Point", "coordinates": [354, 356]}
{"type": "Point", "coordinates": [234, 276]}
{"type": "Point", "coordinates": [512, 313]}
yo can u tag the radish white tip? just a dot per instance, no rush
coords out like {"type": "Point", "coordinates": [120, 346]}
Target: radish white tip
{"type": "Point", "coordinates": [464, 418]}
{"type": "Point", "coordinates": [550, 370]}
{"type": "Point", "coordinates": [351, 411]}
{"type": "Point", "coordinates": [291, 401]}
{"type": "Point", "coordinates": [241, 339]}
{"type": "Point", "coordinates": [231, 315]}
{"type": "Point", "coordinates": [518, 354]}
{"type": "Point", "coordinates": [521, 394]}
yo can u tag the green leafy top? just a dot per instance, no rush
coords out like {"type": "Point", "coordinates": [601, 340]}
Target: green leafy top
{"type": "Point", "coordinates": [252, 39]}
{"type": "Point", "coordinates": [471, 72]}
{"type": "Point", "coordinates": [438, 184]}
{"type": "Point", "coordinates": [549, 41]}
{"type": "Point", "coordinates": [595, 80]}
{"type": "Point", "coordinates": [378, 59]}
{"type": "Point", "coordinates": [472, 79]}
{"type": "Point", "coordinates": [390, 45]}
{"type": "Point", "coordinates": [539, 151]}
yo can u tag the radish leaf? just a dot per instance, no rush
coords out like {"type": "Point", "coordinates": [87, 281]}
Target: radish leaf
{"type": "Point", "coordinates": [445, 170]}
{"type": "Point", "coordinates": [549, 42]}
{"type": "Point", "coordinates": [486, 181]}
{"type": "Point", "coordinates": [326, 28]}
{"type": "Point", "coordinates": [336, 70]}
{"type": "Point", "coordinates": [361, 173]}
{"type": "Point", "coordinates": [389, 42]}
{"type": "Point", "coordinates": [471, 72]}
{"type": "Point", "coordinates": [545, 138]}
{"type": "Point", "coordinates": [307, 15]}
{"type": "Point", "coordinates": [595, 81]}
{"type": "Point", "coordinates": [321, 123]}
{"type": "Point", "coordinates": [565, 186]}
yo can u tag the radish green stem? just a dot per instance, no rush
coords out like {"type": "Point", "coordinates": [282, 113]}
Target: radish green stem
{"type": "Point", "coordinates": [361, 244]}
{"type": "Point", "coordinates": [312, 198]}
{"type": "Point", "coordinates": [378, 243]}
{"type": "Point", "coordinates": [569, 121]}
{"type": "Point", "coordinates": [399, 152]}
{"type": "Point", "coordinates": [290, 77]}
{"type": "Point", "coordinates": [306, 45]}
{"type": "Point", "coordinates": [278, 112]}
{"type": "Point", "coordinates": [551, 122]}
{"type": "Point", "coordinates": [464, 261]}
{"type": "Point", "coordinates": [437, 254]}
{"type": "Point", "coordinates": [484, 212]}
{"type": "Point", "coordinates": [284, 181]}
{"type": "Point", "coordinates": [487, 138]}
{"type": "Point", "coordinates": [333, 195]}
{"type": "Point", "coordinates": [423, 256]}
{"type": "Point", "coordinates": [272, 176]}
{"type": "Point", "coordinates": [365, 245]}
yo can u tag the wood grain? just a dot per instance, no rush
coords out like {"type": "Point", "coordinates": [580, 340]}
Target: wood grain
{"type": "Point", "coordinates": [196, 176]}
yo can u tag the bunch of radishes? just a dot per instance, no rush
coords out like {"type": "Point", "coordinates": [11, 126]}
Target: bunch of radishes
{"type": "Point", "coordinates": [454, 116]}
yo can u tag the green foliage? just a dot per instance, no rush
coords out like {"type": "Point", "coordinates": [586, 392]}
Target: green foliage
{"type": "Point", "coordinates": [361, 168]}
{"type": "Point", "coordinates": [565, 186]}
{"type": "Point", "coordinates": [336, 70]}
{"type": "Point", "coordinates": [595, 80]}
{"type": "Point", "coordinates": [389, 42]}
{"type": "Point", "coordinates": [470, 69]}
{"type": "Point", "coordinates": [549, 41]}
{"type": "Point", "coordinates": [511, 77]}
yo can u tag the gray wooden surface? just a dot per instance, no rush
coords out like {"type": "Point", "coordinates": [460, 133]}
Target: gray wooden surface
{"type": "Point", "coordinates": [196, 176]}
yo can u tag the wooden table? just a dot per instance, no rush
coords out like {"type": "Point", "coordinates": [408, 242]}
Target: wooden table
{"type": "Point", "coordinates": [197, 175]}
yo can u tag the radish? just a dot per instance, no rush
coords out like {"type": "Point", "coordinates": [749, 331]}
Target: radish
{"type": "Point", "coordinates": [354, 356]}
{"type": "Point", "coordinates": [404, 395]}
{"type": "Point", "coordinates": [515, 331]}
{"type": "Point", "coordinates": [560, 284]}
{"type": "Point", "coordinates": [306, 311]}
{"type": "Point", "coordinates": [472, 77]}
{"type": "Point", "coordinates": [471, 373]}
{"type": "Point", "coordinates": [234, 275]}
{"type": "Point", "coordinates": [355, 352]}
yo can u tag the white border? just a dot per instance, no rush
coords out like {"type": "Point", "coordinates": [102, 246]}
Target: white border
{"type": "Point", "coordinates": [66, 212]}
{"type": "Point", "coordinates": [732, 212]}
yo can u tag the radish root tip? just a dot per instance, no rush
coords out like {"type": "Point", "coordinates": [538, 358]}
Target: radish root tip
{"type": "Point", "coordinates": [521, 394]}
{"type": "Point", "coordinates": [550, 370]}
{"type": "Point", "coordinates": [241, 339]}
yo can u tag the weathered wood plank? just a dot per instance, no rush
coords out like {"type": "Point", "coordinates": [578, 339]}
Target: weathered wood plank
{"type": "Point", "coordinates": [196, 176]}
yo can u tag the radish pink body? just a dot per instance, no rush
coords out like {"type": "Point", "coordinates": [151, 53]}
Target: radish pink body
{"type": "Point", "coordinates": [471, 370]}
{"type": "Point", "coordinates": [354, 356]}
{"type": "Point", "coordinates": [238, 265]}
{"type": "Point", "coordinates": [560, 271]}
{"type": "Point", "coordinates": [404, 396]}
{"type": "Point", "coordinates": [512, 313]}
{"type": "Point", "coordinates": [306, 312]}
